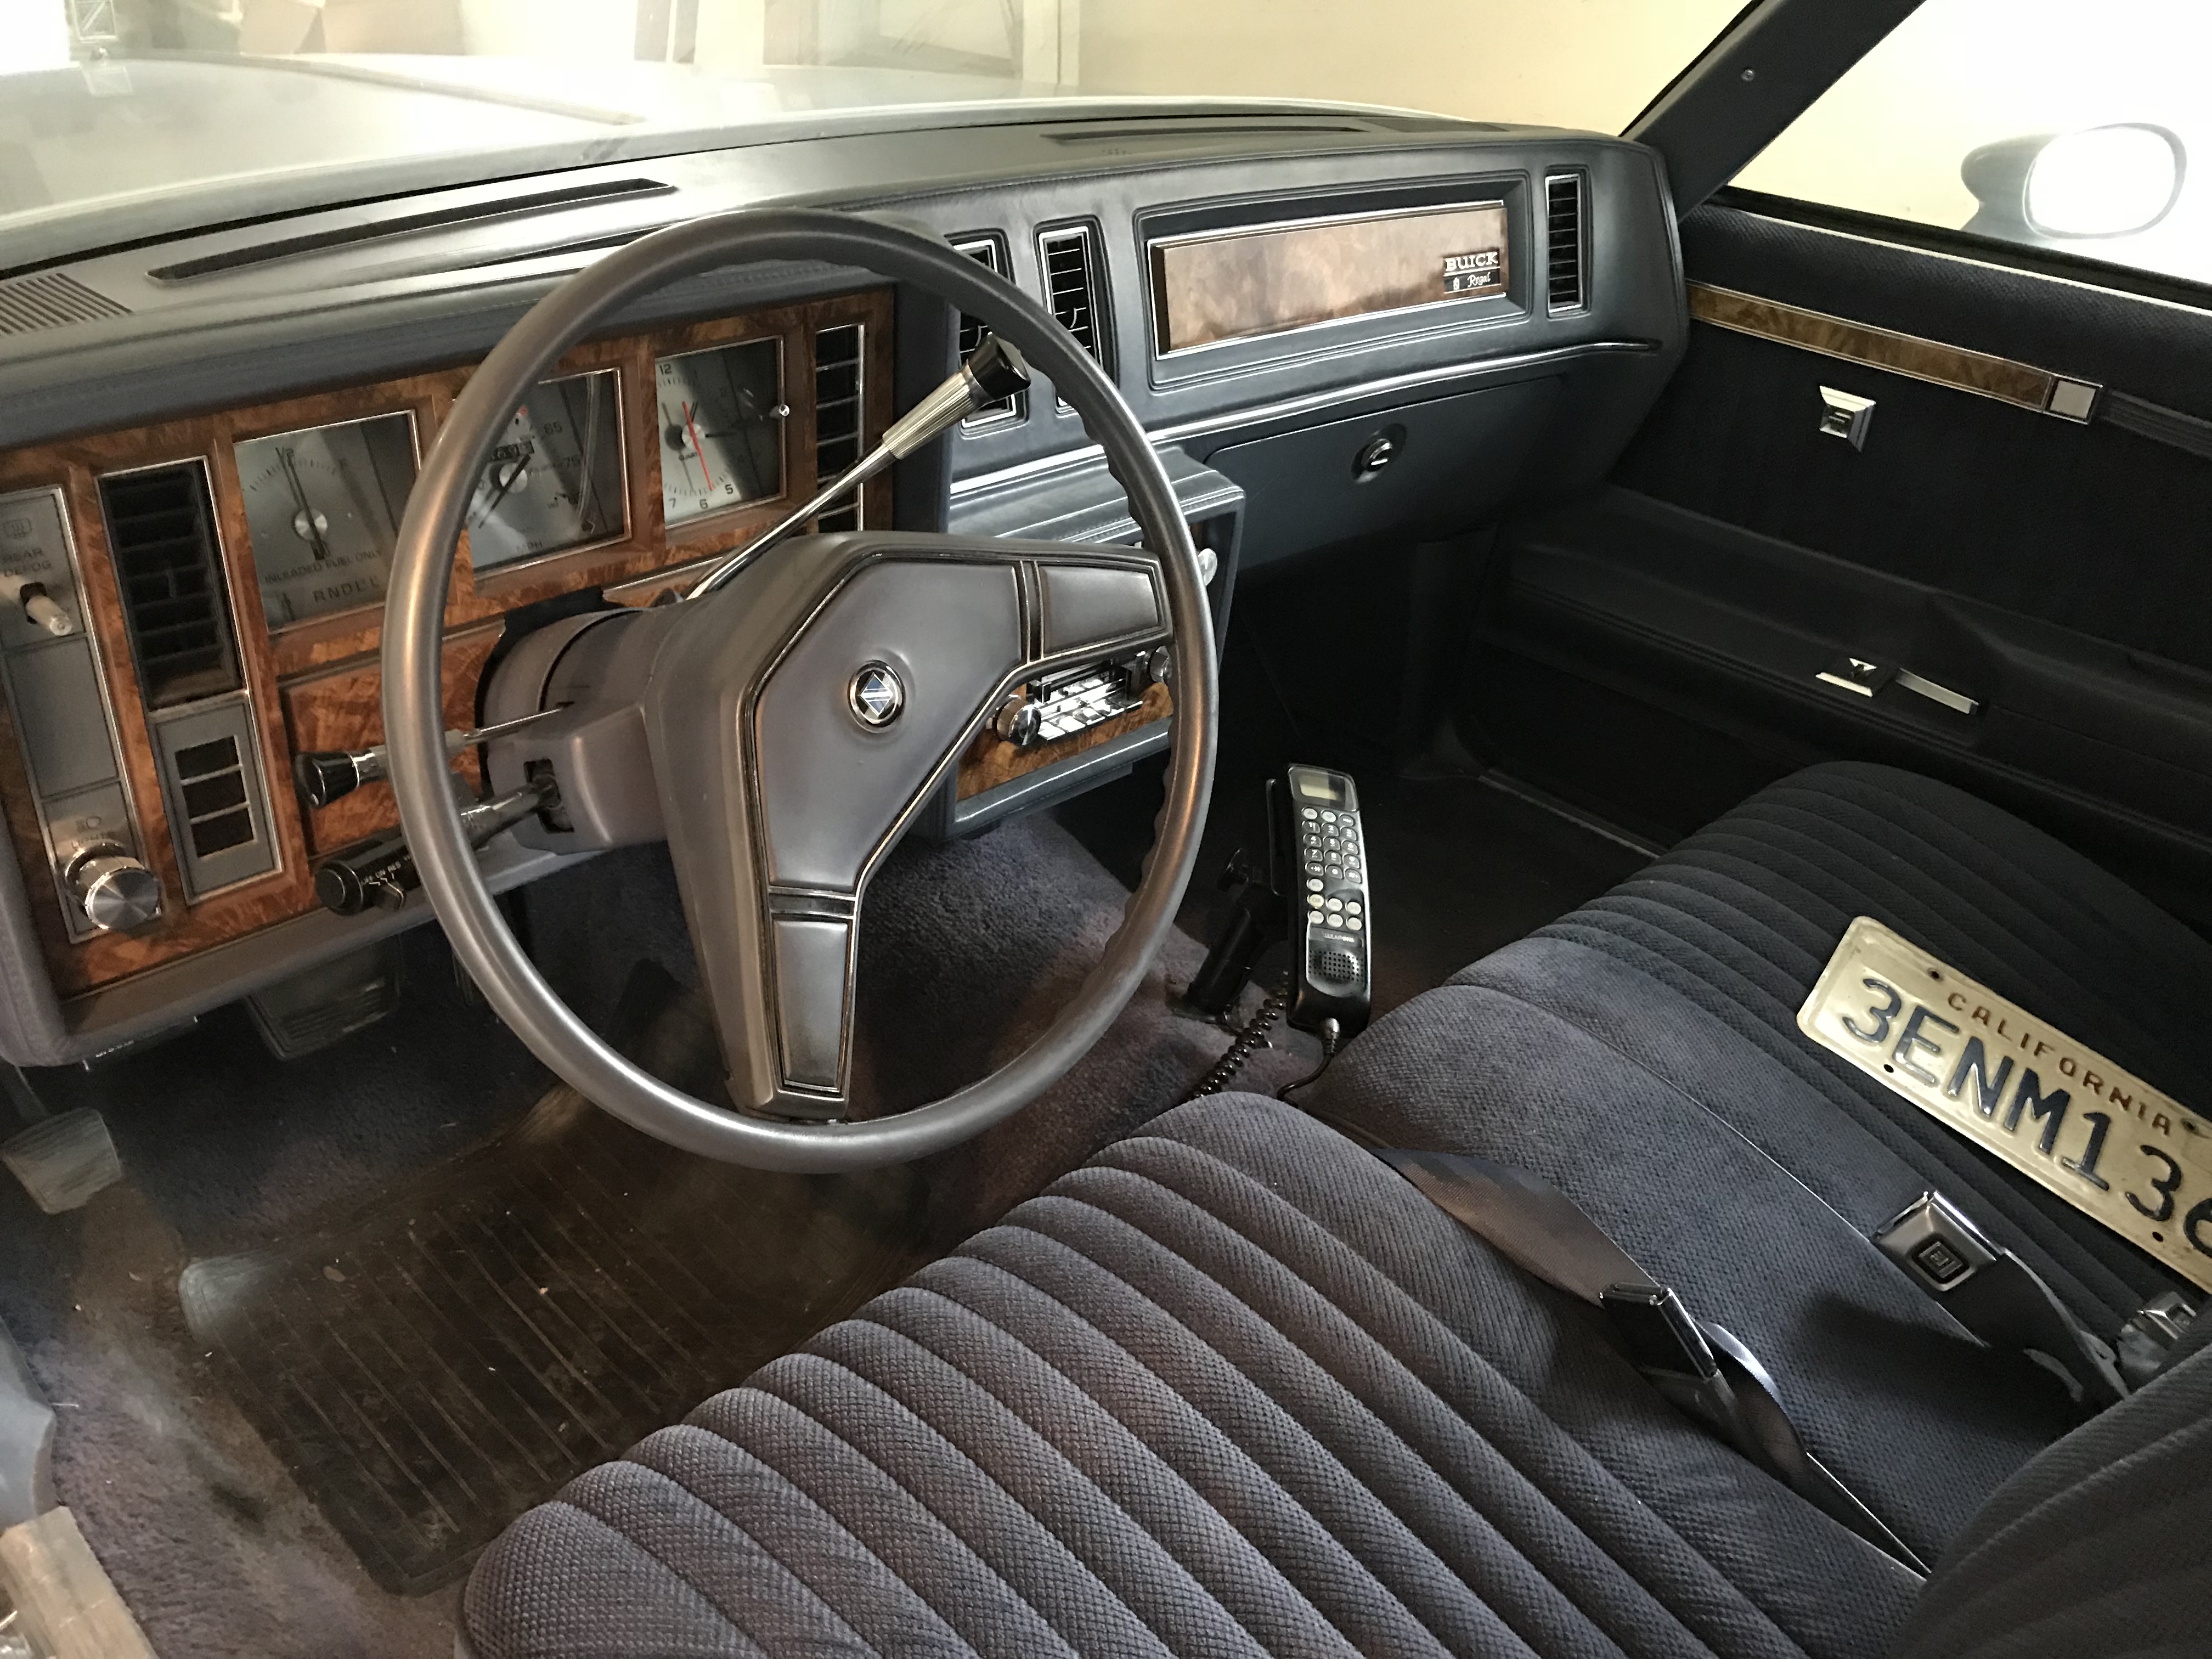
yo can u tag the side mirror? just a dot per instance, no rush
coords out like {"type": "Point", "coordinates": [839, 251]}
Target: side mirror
{"type": "Point", "coordinates": [2096, 181]}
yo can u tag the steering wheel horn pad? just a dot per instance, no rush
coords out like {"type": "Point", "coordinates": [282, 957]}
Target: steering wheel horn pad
{"type": "Point", "coordinates": [775, 789]}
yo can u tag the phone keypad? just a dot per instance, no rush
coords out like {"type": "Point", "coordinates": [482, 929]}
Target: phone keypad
{"type": "Point", "coordinates": [1334, 865]}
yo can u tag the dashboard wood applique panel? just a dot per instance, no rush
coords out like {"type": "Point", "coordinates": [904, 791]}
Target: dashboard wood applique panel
{"type": "Point", "coordinates": [221, 580]}
{"type": "Point", "coordinates": [1234, 284]}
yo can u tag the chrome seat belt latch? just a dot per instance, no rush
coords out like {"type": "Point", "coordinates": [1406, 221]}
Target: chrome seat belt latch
{"type": "Point", "coordinates": [1938, 1247]}
{"type": "Point", "coordinates": [1998, 1298]}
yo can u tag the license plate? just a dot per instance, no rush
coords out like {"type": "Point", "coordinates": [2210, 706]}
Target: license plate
{"type": "Point", "coordinates": [2093, 1132]}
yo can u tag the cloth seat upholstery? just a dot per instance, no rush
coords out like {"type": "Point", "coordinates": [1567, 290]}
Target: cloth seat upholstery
{"type": "Point", "coordinates": [1234, 1388]}
{"type": "Point", "coordinates": [1237, 1387]}
{"type": "Point", "coordinates": [1643, 1054]}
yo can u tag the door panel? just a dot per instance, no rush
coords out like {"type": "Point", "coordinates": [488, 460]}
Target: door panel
{"type": "Point", "coordinates": [2058, 574]}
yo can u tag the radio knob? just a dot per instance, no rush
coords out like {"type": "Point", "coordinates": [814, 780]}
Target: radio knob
{"type": "Point", "coordinates": [1017, 721]}
{"type": "Point", "coordinates": [116, 890]}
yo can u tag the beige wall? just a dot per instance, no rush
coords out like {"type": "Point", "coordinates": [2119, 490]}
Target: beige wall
{"type": "Point", "coordinates": [1564, 63]}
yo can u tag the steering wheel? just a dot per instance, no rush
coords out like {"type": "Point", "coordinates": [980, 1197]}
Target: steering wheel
{"type": "Point", "coordinates": [780, 732]}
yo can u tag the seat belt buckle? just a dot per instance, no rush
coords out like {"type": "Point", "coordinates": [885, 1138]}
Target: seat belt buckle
{"type": "Point", "coordinates": [1658, 1331]}
{"type": "Point", "coordinates": [1936, 1245]}
{"type": "Point", "coordinates": [1998, 1298]}
{"type": "Point", "coordinates": [2146, 1340]}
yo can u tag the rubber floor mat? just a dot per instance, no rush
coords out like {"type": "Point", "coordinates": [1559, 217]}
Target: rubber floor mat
{"type": "Point", "coordinates": [433, 1365]}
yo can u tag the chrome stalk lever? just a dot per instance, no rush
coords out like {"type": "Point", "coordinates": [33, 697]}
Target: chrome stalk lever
{"type": "Point", "coordinates": [379, 874]}
{"type": "Point", "coordinates": [327, 774]}
{"type": "Point", "coordinates": [995, 372]}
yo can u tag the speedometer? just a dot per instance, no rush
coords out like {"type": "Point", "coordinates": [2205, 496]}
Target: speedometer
{"type": "Point", "coordinates": [322, 512]}
{"type": "Point", "coordinates": [721, 428]}
{"type": "Point", "coordinates": [554, 479]}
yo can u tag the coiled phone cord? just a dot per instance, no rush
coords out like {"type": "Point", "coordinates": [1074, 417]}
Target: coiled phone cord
{"type": "Point", "coordinates": [1254, 1038]}
{"type": "Point", "coordinates": [1249, 1043]}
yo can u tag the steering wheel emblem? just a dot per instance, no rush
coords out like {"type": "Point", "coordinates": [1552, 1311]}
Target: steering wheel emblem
{"type": "Point", "coordinates": [876, 695]}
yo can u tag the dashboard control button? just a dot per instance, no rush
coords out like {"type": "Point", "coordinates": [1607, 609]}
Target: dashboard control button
{"type": "Point", "coordinates": [117, 891]}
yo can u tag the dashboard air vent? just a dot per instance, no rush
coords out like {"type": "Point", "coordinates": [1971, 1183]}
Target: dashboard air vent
{"type": "Point", "coordinates": [160, 531]}
{"type": "Point", "coordinates": [1071, 286]}
{"type": "Point", "coordinates": [1562, 236]}
{"type": "Point", "coordinates": [990, 253]}
{"type": "Point", "coordinates": [837, 406]}
{"type": "Point", "coordinates": [51, 298]}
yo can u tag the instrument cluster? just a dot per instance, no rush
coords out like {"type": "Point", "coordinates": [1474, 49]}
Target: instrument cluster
{"type": "Point", "coordinates": [187, 606]}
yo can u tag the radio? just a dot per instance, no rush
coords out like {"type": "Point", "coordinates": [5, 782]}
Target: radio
{"type": "Point", "coordinates": [1074, 700]}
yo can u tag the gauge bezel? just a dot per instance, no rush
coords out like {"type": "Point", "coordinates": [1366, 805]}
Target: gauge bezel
{"type": "Point", "coordinates": [689, 523]}
{"type": "Point", "coordinates": [620, 427]}
{"type": "Point", "coordinates": [238, 471]}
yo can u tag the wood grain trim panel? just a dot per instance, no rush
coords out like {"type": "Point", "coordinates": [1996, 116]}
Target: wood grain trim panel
{"type": "Point", "coordinates": [345, 709]}
{"type": "Point", "coordinates": [2019, 384]}
{"type": "Point", "coordinates": [1238, 284]}
{"type": "Point", "coordinates": [316, 685]}
{"type": "Point", "coordinates": [991, 760]}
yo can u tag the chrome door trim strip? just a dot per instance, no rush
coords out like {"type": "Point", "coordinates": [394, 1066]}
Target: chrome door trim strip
{"type": "Point", "coordinates": [1060, 460]}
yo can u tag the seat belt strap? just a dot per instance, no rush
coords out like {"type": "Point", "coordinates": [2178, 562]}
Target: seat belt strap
{"type": "Point", "coordinates": [1700, 1368]}
{"type": "Point", "coordinates": [1998, 1298]}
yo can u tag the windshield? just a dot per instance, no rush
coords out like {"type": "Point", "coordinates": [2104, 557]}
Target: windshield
{"type": "Point", "coordinates": [277, 101]}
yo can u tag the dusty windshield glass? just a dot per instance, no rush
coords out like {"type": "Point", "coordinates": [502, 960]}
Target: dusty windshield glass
{"type": "Point", "coordinates": [107, 102]}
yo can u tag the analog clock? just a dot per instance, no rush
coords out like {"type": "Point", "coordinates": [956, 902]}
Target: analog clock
{"type": "Point", "coordinates": [721, 417]}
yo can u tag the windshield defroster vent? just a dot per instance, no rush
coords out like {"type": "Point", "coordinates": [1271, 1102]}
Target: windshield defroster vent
{"type": "Point", "coordinates": [451, 216]}
{"type": "Point", "coordinates": [161, 531]}
{"type": "Point", "coordinates": [1563, 242]}
{"type": "Point", "coordinates": [51, 298]}
{"type": "Point", "coordinates": [1071, 286]}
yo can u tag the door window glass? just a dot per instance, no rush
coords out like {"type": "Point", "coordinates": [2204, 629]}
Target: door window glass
{"type": "Point", "coordinates": [2043, 121]}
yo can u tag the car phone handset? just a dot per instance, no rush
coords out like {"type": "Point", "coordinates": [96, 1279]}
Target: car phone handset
{"type": "Point", "coordinates": [994, 372]}
{"type": "Point", "coordinates": [1320, 862]}
{"type": "Point", "coordinates": [1314, 897]}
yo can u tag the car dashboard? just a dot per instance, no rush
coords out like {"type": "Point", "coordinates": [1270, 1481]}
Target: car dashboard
{"type": "Point", "coordinates": [1335, 326]}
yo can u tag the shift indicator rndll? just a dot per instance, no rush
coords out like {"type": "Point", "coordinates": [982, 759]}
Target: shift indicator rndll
{"type": "Point", "coordinates": [2107, 1142]}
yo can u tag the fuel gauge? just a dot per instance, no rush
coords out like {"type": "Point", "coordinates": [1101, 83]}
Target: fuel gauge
{"type": "Point", "coordinates": [554, 479]}
{"type": "Point", "coordinates": [322, 511]}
